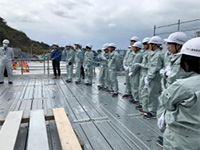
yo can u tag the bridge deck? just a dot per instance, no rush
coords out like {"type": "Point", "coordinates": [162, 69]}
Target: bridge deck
{"type": "Point", "coordinates": [102, 122]}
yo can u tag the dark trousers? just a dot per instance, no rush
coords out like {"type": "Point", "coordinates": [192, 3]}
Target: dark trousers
{"type": "Point", "coordinates": [82, 72]}
{"type": "Point", "coordinates": [56, 67]}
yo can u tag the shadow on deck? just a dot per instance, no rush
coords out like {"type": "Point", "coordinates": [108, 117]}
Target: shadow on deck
{"type": "Point", "coordinates": [102, 122]}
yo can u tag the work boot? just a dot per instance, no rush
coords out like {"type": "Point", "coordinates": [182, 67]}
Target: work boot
{"type": "Point", "coordinates": [115, 95]}
{"type": "Point", "coordinates": [1, 82]}
{"type": "Point", "coordinates": [58, 77]}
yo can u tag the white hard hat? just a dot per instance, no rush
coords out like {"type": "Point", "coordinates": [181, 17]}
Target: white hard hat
{"type": "Point", "coordinates": [89, 45]}
{"type": "Point", "coordinates": [134, 38]}
{"type": "Point", "coordinates": [6, 41]}
{"type": "Point", "coordinates": [68, 44]}
{"type": "Point", "coordinates": [146, 40]}
{"type": "Point", "coordinates": [55, 44]}
{"type": "Point", "coordinates": [137, 44]}
{"type": "Point", "coordinates": [105, 46]}
{"type": "Point", "coordinates": [112, 45]}
{"type": "Point", "coordinates": [191, 47]}
{"type": "Point", "coordinates": [177, 37]}
{"type": "Point", "coordinates": [156, 40]}
{"type": "Point", "coordinates": [76, 43]}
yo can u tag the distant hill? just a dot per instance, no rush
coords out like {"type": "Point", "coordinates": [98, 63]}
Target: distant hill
{"type": "Point", "coordinates": [20, 40]}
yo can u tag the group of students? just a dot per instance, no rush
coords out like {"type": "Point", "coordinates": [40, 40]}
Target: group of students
{"type": "Point", "coordinates": [109, 59]}
{"type": "Point", "coordinates": [163, 85]}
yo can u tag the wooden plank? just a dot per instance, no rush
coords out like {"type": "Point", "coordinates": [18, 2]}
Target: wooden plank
{"type": "Point", "coordinates": [9, 130]}
{"type": "Point", "coordinates": [66, 133]}
{"type": "Point", "coordinates": [37, 137]}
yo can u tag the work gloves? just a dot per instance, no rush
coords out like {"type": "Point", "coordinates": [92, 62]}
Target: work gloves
{"type": "Point", "coordinates": [161, 122]}
{"type": "Point", "coordinates": [146, 82]}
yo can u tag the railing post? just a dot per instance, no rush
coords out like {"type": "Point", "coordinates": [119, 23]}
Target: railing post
{"type": "Point", "coordinates": [44, 67]}
{"type": "Point", "coordinates": [154, 30]}
{"type": "Point", "coordinates": [179, 23]}
{"type": "Point", "coordinates": [48, 66]}
{"type": "Point", "coordinates": [21, 66]}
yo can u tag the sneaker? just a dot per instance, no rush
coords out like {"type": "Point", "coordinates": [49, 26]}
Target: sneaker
{"type": "Point", "coordinates": [138, 107]}
{"type": "Point", "coordinates": [1, 82]}
{"type": "Point", "coordinates": [55, 77]}
{"type": "Point", "coordinates": [109, 91]}
{"type": "Point", "coordinates": [68, 81]}
{"type": "Point", "coordinates": [115, 95]}
{"type": "Point", "coordinates": [99, 87]}
{"type": "Point", "coordinates": [125, 96]}
{"type": "Point", "coordinates": [160, 138]}
{"type": "Point", "coordinates": [134, 101]}
{"type": "Point", "coordinates": [159, 143]}
{"type": "Point", "coordinates": [77, 82]}
{"type": "Point", "coordinates": [104, 89]}
{"type": "Point", "coordinates": [10, 82]}
{"type": "Point", "coordinates": [141, 111]}
{"type": "Point", "coordinates": [148, 115]}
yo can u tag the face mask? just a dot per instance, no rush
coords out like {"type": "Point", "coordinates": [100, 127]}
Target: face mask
{"type": "Point", "coordinates": [5, 45]}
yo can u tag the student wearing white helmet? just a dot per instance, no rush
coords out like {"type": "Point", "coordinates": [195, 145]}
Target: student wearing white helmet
{"type": "Point", "coordinates": [68, 53]}
{"type": "Point", "coordinates": [79, 61]}
{"type": "Point", "coordinates": [88, 65]}
{"type": "Point", "coordinates": [143, 92]}
{"type": "Point", "coordinates": [152, 80]}
{"type": "Point", "coordinates": [174, 44]}
{"type": "Point", "coordinates": [103, 74]}
{"type": "Point", "coordinates": [134, 72]}
{"type": "Point", "coordinates": [6, 56]}
{"type": "Point", "coordinates": [126, 62]}
{"type": "Point", "coordinates": [113, 66]}
{"type": "Point", "coordinates": [180, 103]}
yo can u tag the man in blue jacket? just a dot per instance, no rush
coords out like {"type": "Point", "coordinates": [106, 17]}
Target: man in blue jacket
{"type": "Point", "coordinates": [55, 56]}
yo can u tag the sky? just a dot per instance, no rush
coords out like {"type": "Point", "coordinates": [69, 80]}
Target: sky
{"type": "Point", "coordinates": [97, 21]}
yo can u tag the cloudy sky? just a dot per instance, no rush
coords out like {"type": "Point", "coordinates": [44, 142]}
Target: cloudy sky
{"type": "Point", "coordinates": [96, 21]}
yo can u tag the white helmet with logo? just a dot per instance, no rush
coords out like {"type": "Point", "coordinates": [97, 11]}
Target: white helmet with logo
{"type": "Point", "coordinates": [137, 44]}
{"type": "Point", "coordinates": [134, 38]}
{"type": "Point", "coordinates": [191, 47]}
{"type": "Point", "coordinates": [6, 41]}
{"type": "Point", "coordinates": [177, 37]}
{"type": "Point", "coordinates": [156, 40]}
